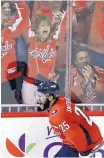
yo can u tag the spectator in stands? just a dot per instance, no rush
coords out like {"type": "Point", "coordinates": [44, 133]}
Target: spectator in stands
{"type": "Point", "coordinates": [8, 57]}
{"type": "Point", "coordinates": [88, 30]}
{"type": "Point", "coordinates": [87, 79]}
{"type": "Point", "coordinates": [21, 43]}
{"type": "Point", "coordinates": [13, 24]}
{"type": "Point", "coordinates": [57, 9]}
{"type": "Point", "coordinates": [41, 57]}
{"type": "Point", "coordinates": [21, 46]}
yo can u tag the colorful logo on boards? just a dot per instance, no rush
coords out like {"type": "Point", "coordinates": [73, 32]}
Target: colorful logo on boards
{"type": "Point", "coordinates": [21, 150]}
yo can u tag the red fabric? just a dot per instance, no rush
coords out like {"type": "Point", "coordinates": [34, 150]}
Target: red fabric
{"type": "Point", "coordinates": [41, 58]}
{"type": "Point", "coordinates": [68, 118]}
{"type": "Point", "coordinates": [80, 5]}
{"type": "Point", "coordinates": [99, 25]}
{"type": "Point", "coordinates": [45, 11]}
{"type": "Point", "coordinates": [96, 36]}
{"type": "Point", "coordinates": [14, 28]}
{"type": "Point", "coordinates": [40, 114]}
{"type": "Point", "coordinates": [8, 54]}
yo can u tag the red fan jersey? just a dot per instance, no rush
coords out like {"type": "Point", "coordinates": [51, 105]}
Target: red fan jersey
{"type": "Point", "coordinates": [96, 37]}
{"type": "Point", "coordinates": [80, 5]}
{"type": "Point", "coordinates": [76, 128]}
{"type": "Point", "coordinates": [41, 58]}
{"type": "Point", "coordinates": [8, 56]}
{"type": "Point", "coordinates": [13, 29]}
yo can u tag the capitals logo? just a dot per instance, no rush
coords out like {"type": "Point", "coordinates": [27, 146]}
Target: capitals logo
{"type": "Point", "coordinates": [53, 113]}
{"type": "Point", "coordinates": [21, 150]}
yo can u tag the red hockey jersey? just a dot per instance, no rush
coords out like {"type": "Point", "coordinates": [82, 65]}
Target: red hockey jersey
{"type": "Point", "coordinates": [76, 128]}
{"type": "Point", "coordinates": [13, 29]}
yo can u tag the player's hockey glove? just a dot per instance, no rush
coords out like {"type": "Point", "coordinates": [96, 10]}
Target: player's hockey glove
{"type": "Point", "coordinates": [86, 154]}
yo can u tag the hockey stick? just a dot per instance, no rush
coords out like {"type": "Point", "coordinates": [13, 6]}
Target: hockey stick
{"type": "Point", "coordinates": [96, 149]}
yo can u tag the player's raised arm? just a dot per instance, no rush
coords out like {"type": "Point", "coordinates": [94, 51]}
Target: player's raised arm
{"type": "Point", "coordinates": [20, 21]}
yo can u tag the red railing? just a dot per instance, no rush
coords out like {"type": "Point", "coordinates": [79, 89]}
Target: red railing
{"type": "Point", "coordinates": [41, 114]}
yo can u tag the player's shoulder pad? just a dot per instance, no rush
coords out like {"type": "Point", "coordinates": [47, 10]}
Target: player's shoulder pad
{"type": "Point", "coordinates": [55, 112]}
{"type": "Point", "coordinates": [56, 116]}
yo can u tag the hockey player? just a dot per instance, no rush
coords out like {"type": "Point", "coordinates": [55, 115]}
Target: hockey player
{"type": "Point", "coordinates": [80, 135]}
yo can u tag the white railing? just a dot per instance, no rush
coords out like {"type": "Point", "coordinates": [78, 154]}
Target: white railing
{"type": "Point", "coordinates": [19, 106]}
{"type": "Point", "coordinates": [91, 107]}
